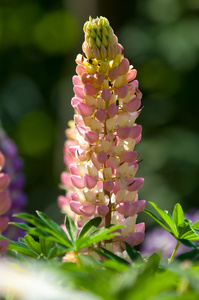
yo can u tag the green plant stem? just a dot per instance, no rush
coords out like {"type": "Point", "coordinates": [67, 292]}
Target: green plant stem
{"type": "Point", "coordinates": [174, 252]}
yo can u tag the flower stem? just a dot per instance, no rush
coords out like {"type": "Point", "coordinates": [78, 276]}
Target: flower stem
{"type": "Point", "coordinates": [174, 252]}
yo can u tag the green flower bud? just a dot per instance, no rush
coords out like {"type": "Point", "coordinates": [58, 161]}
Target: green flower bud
{"type": "Point", "coordinates": [100, 35]}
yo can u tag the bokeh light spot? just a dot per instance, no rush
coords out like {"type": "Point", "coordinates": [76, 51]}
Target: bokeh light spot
{"type": "Point", "coordinates": [35, 133]}
{"type": "Point", "coordinates": [56, 32]}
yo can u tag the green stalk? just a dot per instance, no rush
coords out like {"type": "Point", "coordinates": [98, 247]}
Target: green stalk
{"type": "Point", "coordinates": [174, 252]}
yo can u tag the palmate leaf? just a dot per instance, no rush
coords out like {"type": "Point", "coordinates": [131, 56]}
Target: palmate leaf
{"type": "Point", "coordinates": [178, 215]}
{"type": "Point", "coordinates": [110, 255]}
{"type": "Point", "coordinates": [55, 229]}
{"type": "Point", "coordinates": [46, 227]}
{"type": "Point", "coordinates": [103, 234]}
{"type": "Point", "coordinates": [133, 254]}
{"type": "Point", "coordinates": [32, 244]}
{"type": "Point", "coordinates": [71, 228]}
{"type": "Point", "coordinates": [96, 236]}
{"type": "Point", "coordinates": [90, 226]}
{"type": "Point", "coordinates": [158, 220]}
{"type": "Point", "coordinates": [167, 218]}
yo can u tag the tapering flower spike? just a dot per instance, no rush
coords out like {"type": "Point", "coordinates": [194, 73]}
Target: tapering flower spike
{"type": "Point", "coordinates": [5, 202]}
{"type": "Point", "coordinates": [12, 174]}
{"type": "Point", "coordinates": [100, 149]}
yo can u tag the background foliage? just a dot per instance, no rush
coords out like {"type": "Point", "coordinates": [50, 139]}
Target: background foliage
{"type": "Point", "coordinates": [39, 41]}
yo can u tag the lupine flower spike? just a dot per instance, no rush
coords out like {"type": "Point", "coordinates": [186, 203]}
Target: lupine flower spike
{"type": "Point", "coordinates": [5, 202]}
{"type": "Point", "coordinates": [13, 167]}
{"type": "Point", "coordinates": [99, 152]}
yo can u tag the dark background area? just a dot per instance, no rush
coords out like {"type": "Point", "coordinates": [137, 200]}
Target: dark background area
{"type": "Point", "coordinates": [39, 41]}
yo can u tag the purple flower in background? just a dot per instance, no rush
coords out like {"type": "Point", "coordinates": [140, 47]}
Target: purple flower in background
{"type": "Point", "coordinates": [159, 240]}
{"type": "Point", "coordinates": [13, 167]}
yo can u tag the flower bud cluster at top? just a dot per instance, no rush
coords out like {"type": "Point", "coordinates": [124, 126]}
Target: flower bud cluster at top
{"type": "Point", "coordinates": [99, 152]}
{"type": "Point", "coordinates": [13, 168]}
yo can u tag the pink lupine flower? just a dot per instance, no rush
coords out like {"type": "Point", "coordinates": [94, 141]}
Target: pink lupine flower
{"type": "Point", "coordinates": [100, 151]}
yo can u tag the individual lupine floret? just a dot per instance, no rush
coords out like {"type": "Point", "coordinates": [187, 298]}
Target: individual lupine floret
{"type": "Point", "coordinates": [5, 202]}
{"type": "Point", "coordinates": [104, 163]}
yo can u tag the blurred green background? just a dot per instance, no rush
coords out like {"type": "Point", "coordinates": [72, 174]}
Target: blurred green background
{"type": "Point", "coordinates": [39, 41]}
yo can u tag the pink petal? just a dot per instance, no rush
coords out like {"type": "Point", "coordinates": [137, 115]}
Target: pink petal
{"type": "Point", "coordinates": [5, 202]}
{"type": "Point", "coordinates": [62, 201]}
{"type": "Point", "coordinates": [101, 115]}
{"type": "Point", "coordinates": [83, 109]}
{"type": "Point", "coordinates": [129, 156]}
{"type": "Point", "coordinates": [133, 105]}
{"type": "Point", "coordinates": [131, 75]}
{"type": "Point", "coordinates": [74, 196]}
{"type": "Point", "coordinates": [108, 185]}
{"type": "Point", "coordinates": [3, 223]}
{"type": "Point", "coordinates": [74, 169]}
{"type": "Point", "coordinates": [122, 91]}
{"type": "Point", "coordinates": [123, 66]}
{"type": "Point", "coordinates": [139, 237]}
{"type": "Point", "coordinates": [102, 157]}
{"type": "Point", "coordinates": [98, 79]}
{"type": "Point", "coordinates": [89, 181]}
{"type": "Point", "coordinates": [140, 227]}
{"type": "Point", "coordinates": [123, 132]}
{"type": "Point", "coordinates": [80, 69]}
{"type": "Point", "coordinates": [74, 206]}
{"type": "Point", "coordinates": [91, 137]}
{"type": "Point", "coordinates": [65, 179]}
{"type": "Point", "coordinates": [133, 208]}
{"type": "Point", "coordinates": [78, 90]}
{"type": "Point", "coordinates": [138, 139]}
{"type": "Point", "coordinates": [4, 181]}
{"type": "Point", "coordinates": [112, 110]}
{"type": "Point", "coordinates": [136, 184]}
{"type": "Point", "coordinates": [113, 74]}
{"type": "Point", "coordinates": [76, 80]}
{"type": "Point", "coordinates": [77, 181]}
{"type": "Point", "coordinates": [2, 160]}
{"type": "Point", "coordinates": [89, 89]}
{"type": "Point", "coordinates": [102, 210]}
{"type": "Point", "coordinates": [131, 240]}
{"type": "Point", "coordinates": [123, 207]}
{"type": "Point", "coordinates": [87, 210]}
{"type": "Point", "coordinates": [3, 245]}
{"type": "Point", "coordinates": [106, 94]}
{"type": "Point", "coordinates": [135, 131]}
{"type": "Point", "coordinates": [141, 205]}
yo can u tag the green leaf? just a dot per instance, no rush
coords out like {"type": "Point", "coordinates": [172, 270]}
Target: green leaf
{"type": "Point", "coordinates": [111, 255]}
{"type": "Point", "coordinates": [178, 215]}
{"type": "Point", "coordinates": [133, 254]}
{"type": "Point", "coordinates": [196, 231]}
{"type": "Point", "coordinates": [188, 255]}
{"type": "Point", "coordinates": [103, 234]}
{"type": "Point", "coordinates": [157, 219]}
{"type": "Point", "coordinates": [56, 230]}
{"type": "Point", "coordinates": [115, 265]}
{"type": "Point", "coordinates": [71, 228]}
{"type": "Point", "coordinates": [191, 236]}
{"type": "Point", "coordinates": [195, 225]}
{"type": "Point", "coordinates": [32, 244]}
{"type": "Point", "coordinates": [89, 226]}
{"type": "Point", "coordinates": [46, 245]}
{"type": "Point", "coordinates": [31, 230]}
{"type": "Point", "coordinates": [188, 243]}
{"type": "Point", "coordinates": [167, 218]}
